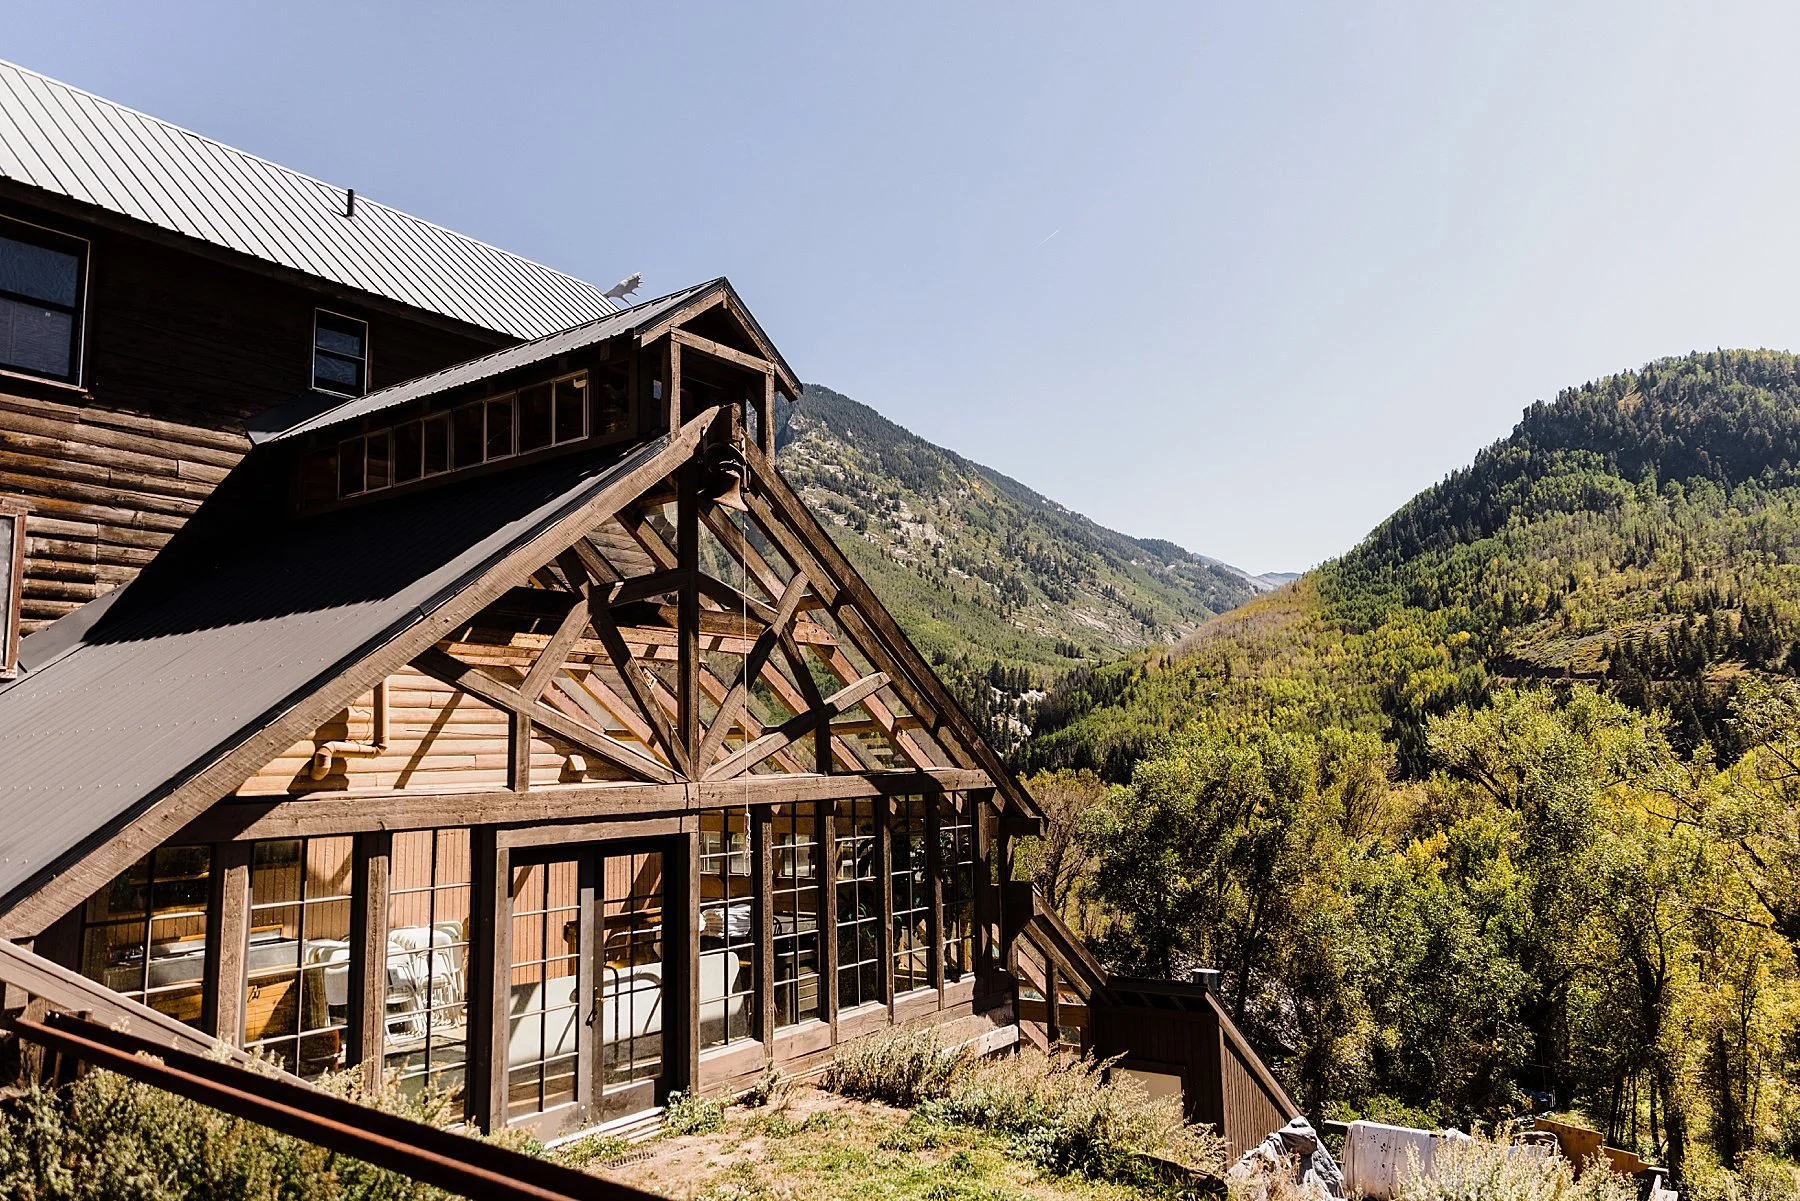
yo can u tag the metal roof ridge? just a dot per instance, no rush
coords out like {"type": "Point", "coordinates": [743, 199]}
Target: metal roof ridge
{"type": "Point", "coordinates": [286, 170]}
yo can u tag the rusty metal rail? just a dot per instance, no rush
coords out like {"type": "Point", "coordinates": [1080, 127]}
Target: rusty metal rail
{"type": "Point", "coordinates": [450, 1161]}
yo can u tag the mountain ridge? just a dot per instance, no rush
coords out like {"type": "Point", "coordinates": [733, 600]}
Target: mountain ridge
{"type": "Point", "coordinates": [1000, 586]}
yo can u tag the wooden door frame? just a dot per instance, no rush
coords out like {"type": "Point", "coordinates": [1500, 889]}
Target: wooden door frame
{"type": "Point", "coordinates": [590, 1105]}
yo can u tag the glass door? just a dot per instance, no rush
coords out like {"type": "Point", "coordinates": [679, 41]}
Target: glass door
{"type": "Point", "coordinates": [631, 955]}
{"type": "Point", "coordinates": [584, 1036]}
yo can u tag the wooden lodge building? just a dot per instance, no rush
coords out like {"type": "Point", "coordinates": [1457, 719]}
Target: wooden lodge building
{"type": "Point", "coordinates": [411, 659]}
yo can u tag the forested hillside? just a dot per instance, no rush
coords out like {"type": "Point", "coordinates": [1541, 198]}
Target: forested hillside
{"type": "Point", "coordinates": [1005, 590]}
{"type": "Point", "coordinates": [1502, 803]}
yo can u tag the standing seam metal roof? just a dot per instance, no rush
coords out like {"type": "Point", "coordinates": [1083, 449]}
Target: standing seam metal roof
{"type": "Point", "coordinates": [184, 666]}
{"type": "Point", "coordinates": [64, 140]}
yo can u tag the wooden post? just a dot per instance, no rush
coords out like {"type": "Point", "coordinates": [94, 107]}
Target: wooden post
{"type": "Point", "coordinates": [228, 933]}
{"type": "Point", "coordinates": [986, 907]}
{"type": "Point", "coordinates": [884, 874]}
{"type": "Point", "coordinates": [672, 401]}
{"type": "Point", "coordinates": [518, 748]}
{"type": "Point", "coordinates": [934, 872]}
{"type": "Point", "coordinates": [1052, 1030]}
{"type": "Point", "coordinates": [588, 1085]}
{"type": "Point", "coordinates": [491, 989]}
{"type": "Point", "coordinates": [368, 954]}
{"type": "Point", "coordinates": [685, 951]}
{"type": "Point", "coordinates": [762, 918]}
{"type": "Point", "coordinates": [828, 943]}
{"type": "Point", "coordinates": [687, 635]}
{"type": "Point", "coordinates": [765, 417]}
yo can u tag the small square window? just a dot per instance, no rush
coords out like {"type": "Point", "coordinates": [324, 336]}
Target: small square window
{"type": "Point", "coordinates": [534, 418]}
{"type": "Point", "coordinates": [381, 460]}
{"type": "Point", "coordinates": [571, 408]}
{"type": "Point", "coordinates": [43, 281]}
{"type": "Point", "coordinates": [351, 478]}
{"type": "Point", "coordinates": [340, 354]}
{"type": "Point", "coordinates": [611, 402]}
{"type": "Point", "coordinates": [500, 427]}
{"type": "Point", "coordinates": [465, 436]}
{"type": "Point", "coordinates": [437, 445]}
{"type": "Point", "coordinates": [409, 450]}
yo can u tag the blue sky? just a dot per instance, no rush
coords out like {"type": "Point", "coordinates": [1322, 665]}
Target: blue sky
{"type": "Point", "coordinates": [1242, 276]}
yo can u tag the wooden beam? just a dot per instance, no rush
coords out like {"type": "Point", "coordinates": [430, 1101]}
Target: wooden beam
{"type": "Point", "coordinates": [765, 417]}
{"type": "Point", "coordinates": [551, 658]}
{"type": "Point", "coordinates": [642, 587]}
{"type": "Point", "coordinates": [228, 926]}
{"type": "Point", "coordinates": [367, 1036]}
{"type": "Point", "coordinates": [719, 350]}
{"type": "Point", "coordinates": [490, 989]}
{"type": "Point", "coordinates": [237, 821]}
{"type": "Point", "coordinates": [453, 1162]}
{"type": "Point", "coordinates": [477, 683]}
{"type": "Point", "coordinates": [518, 751]}
{"type": "Point", "coordinates": [71, 878]}
{"type": "Point", "coordinates": [762, 920]}
{"type": "Point", "coordinates": [732, 600]}
{"type": "Point", "coordinates": [884, 718]}
{"type": "Point", "coordinates": [733, 540]}
{"type": "Point", "coordinates": [687, 628]}
{"type": "Point", "coordinates": [884, 856]}
{"type": "Point", "coordinates": [710, 298]}
{"type": "Point", "coordinates": [784, 375]}
{"type": "Point", "coordinates": [636, 684]}
{"type": "Point", "coordinates": [825, 867]}
{"type": "Point", "coordinates": [672, 402]}
{"type": "Point", "coordinates": [795, 728]}
{"type": "Point", "coordinates": [751, 671]}
{"type": "Point", "coordinates": [826, 752]}
{"type": "Point", "coordinates": [934, 872]}
{"type": "Point", "coordinates": [914, 680]}
{"type": "Point", "coordinates": [685, 948]}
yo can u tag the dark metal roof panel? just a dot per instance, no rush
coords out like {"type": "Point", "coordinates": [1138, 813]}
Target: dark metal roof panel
{"type": "Point", "coordinates": [78, 145]}
{"type": "Point", "coordinates": [501, 361]}
{"type": "Point", "coordinates": [176, 673]}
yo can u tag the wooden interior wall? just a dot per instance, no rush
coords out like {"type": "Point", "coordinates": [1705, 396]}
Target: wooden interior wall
{"type": "Point", "coordinates": [180, 349]}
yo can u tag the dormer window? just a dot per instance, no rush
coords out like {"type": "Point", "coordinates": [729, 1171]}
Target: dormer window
{"type": "Point", "coordinates": [340, 354]}
{"type": "Point", "coordinates": [43, 279]}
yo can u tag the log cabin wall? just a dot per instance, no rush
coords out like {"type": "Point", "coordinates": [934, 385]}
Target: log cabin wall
{"type": "Point", "coordinates": [181, 346]}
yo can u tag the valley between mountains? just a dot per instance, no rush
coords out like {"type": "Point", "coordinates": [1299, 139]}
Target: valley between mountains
{"type": "Point", "coordinates": [1497, 809]}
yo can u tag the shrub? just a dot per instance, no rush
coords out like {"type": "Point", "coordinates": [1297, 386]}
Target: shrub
{"type": "Point", "coordinates": [107, 1138]}
{"type": "Point", "coordinates": [1485, 1168]}
{"type": "Point", "coordinates": [1067, 1118]}
{"type": "Point", "coordinates": [904, 1067]}
{"type": "Point", "coordinates": [690, 1113]}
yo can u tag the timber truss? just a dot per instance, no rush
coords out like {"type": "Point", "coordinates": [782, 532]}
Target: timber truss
{"type": "Point", "coordinates": [702, 634]}
{"type": "Point", "coordinates": [689, 637]}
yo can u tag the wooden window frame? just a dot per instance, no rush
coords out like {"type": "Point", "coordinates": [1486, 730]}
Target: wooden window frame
{"type": "Point", "coordinates": [365, 361]}
{"type": "Point", "coordinates": [12, 597]}
{"type": "Point", "coordinates": [49, 239]}
{"type": "Point", "coordinates": [483, 410]}
{"type": "Point", "coordinates": [145, 921]}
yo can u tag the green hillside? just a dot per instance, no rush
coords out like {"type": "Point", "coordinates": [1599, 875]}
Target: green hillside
{"type": "Point", "coordinates": [997, 584]}
{"type": "Point", "coordinates": [1502, 803]}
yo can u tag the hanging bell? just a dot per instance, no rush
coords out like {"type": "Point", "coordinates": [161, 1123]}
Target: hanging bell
{"type": "Point", "coordinates": [725, 473]}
